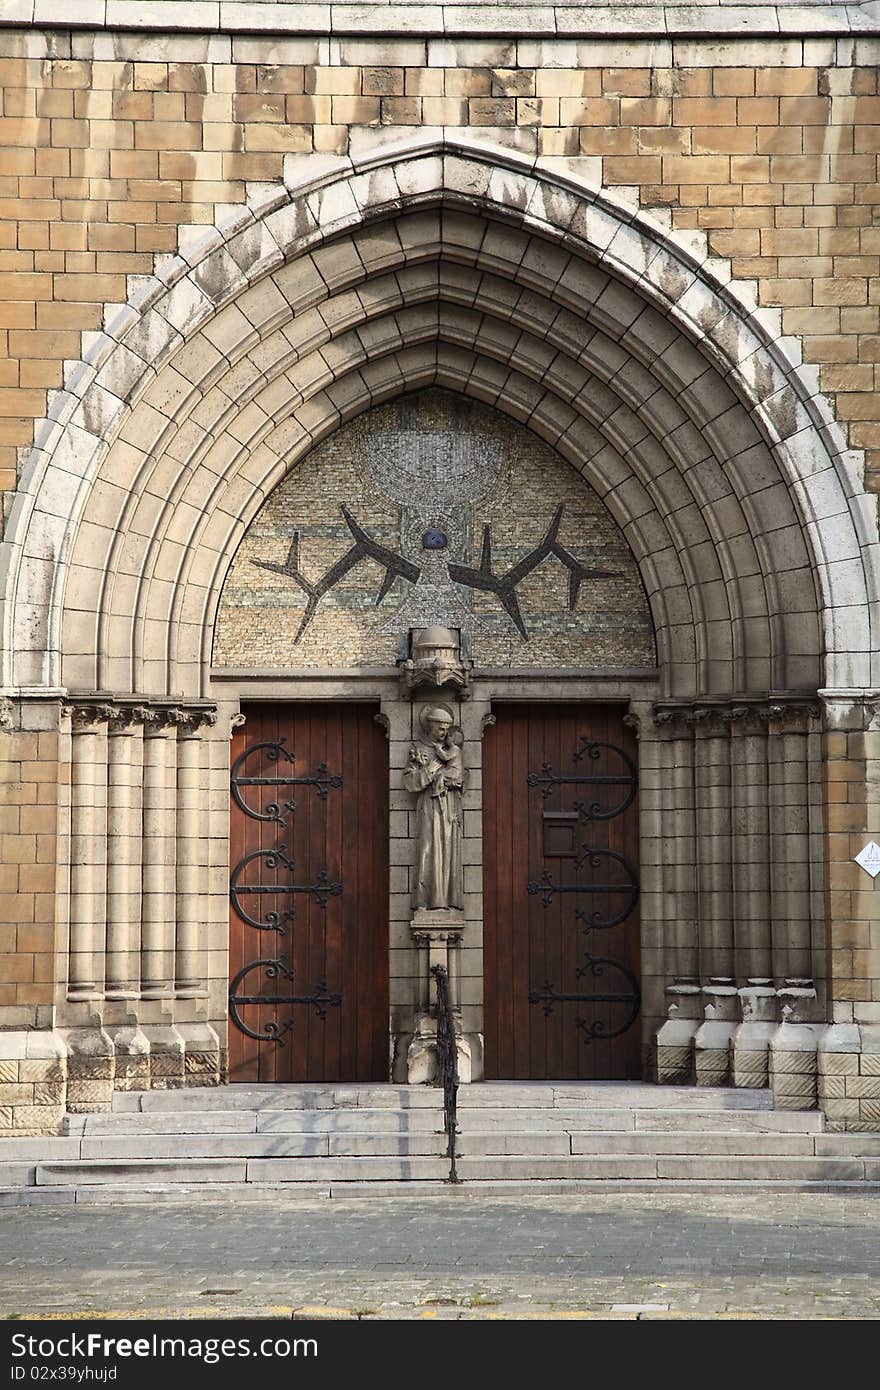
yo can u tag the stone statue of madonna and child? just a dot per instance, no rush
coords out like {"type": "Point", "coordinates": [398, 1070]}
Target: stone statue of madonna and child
{"type": "Point", "coordinates": [435, 772]}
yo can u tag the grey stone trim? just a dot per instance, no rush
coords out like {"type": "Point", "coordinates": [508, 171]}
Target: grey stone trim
{"type": "Point", "coordinates": [672, 716]}
{"type": "Point", "coordinates": [565, 18]}
{"type": "Point", "coordinates": [98, 709]}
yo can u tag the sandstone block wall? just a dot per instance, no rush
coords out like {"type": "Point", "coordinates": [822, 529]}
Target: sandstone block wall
{"type": "Point", "coordinates": [110, 142]}
{"type": "Point", "coordinates": [34, 783]}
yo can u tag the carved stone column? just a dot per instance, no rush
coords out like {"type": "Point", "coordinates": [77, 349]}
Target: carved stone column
{"type": "Point", "coordinates": [191, 854]}
{"type": "Point", "coordinates": [712, 797]}
{"type": "Point", "coordinates": [673, 1051]}
{"type": "Point", "coordinates": [789, 796]}
{"type": "Point", "coordinates": [88, 851]}
{"type": "Point", "coordinates": [750, 840]}
{"type": "Point", "coordinates": [794, 1061]}
{"type": "Point", "coordinates": [751, 894]}
{"type": "Point", "coordinates": [159, 851]}
{"type": "Point", "coordinates": [124, 852]}
{"type": "Point", "coordinates": [712, 804]}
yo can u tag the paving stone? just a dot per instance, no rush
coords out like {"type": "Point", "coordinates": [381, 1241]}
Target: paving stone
{"type": "Point", "coordinates": [456, 1254]}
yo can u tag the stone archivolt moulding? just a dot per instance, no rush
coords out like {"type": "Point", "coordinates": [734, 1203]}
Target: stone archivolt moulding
{"type": "Point", "coordinates": [337, 198]}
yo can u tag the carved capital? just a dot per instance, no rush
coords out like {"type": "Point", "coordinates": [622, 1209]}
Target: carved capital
{"type": "Point", "coordinates": [123, 718]}
{"type": "Point", "coordinates": [794, 716]}
{"type": "Point", "coordinates": [487, 721]}
{"type": "Point", "coordinates": [673, 723]}
{"type": "Point", "coordinates": [7, 723]}
{"type": "Point", "coordinates": [151, 718]}
{"type": "Point", "coordinates": [175, 717]}
{"type": "Point", "coordinates": [746, 719]}
{"type": "Point", "coordinates": [88, 716]}
{"type": "Point", "coordinates": [736, 713]}
{"type": "Point", "coordinates": [194, 720]}
{"type": "Point", "coordinates": [381, 719]}
{"type": "Point", "coordinates": [709, 722]}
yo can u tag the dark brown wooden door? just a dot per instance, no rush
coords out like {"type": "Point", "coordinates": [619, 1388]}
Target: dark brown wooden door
{"type": "Point", "coordinates": [560, 854]}
{"type": "Point", "coordinates": [308, 941]}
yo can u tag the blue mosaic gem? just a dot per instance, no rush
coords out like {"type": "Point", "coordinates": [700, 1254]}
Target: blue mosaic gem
{"type": "Point", "coordinates": [434, 540]}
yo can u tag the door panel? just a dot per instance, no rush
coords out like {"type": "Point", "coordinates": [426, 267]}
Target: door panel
{"type": "Point", "coordinates": [308, 944]}
{"type": "Point", "coordinates": [560, 878]}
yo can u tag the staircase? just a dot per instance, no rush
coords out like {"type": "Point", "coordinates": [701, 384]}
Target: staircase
{"type": "Point", "coordinates": [252, 1141]}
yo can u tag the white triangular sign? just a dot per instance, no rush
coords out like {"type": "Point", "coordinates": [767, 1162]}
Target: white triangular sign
{"type": "Point", "coordinates": [869, 858]}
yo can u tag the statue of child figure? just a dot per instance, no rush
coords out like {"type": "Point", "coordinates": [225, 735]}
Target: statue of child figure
{"type": "Point", "coordinates": [435, 771]}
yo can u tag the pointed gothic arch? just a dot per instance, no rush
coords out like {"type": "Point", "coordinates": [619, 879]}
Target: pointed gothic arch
{"type": "Point", "coordinates": [479, 271]}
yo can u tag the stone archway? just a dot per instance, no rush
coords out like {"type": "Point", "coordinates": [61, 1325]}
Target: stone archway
{"type": "Point", "coordinates": [574, 315]}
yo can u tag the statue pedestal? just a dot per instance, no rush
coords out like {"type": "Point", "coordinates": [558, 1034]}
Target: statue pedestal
{"type": "Point", "coordinates": [421, 1055]}
{"type": "Point", "coordinates": [436, 932]}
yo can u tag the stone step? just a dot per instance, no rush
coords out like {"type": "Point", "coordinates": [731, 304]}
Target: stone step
{"type": "Point", "coordinates": [603, 1095]}
{"type": "Point", "coordinates": [292, 1193]}
{"type": "Point", "coordinates": [21, 1156]}
{"type": "Point", "coordinates": [756, 1121]}
{"type": "Point", "coordinates": [214, 1171]}
{"type": "Point", "coordinates": [271, 1146]}
{"type": "Point", "coordinates": [537, 1142]}
{"type": "Point", "coordinates": [14, 1174]}
{"type": "Point", "coordinates": [363, 1121]}
{"type": "Point", "coordinates": [841, 1145]}
{"type": "Point", "coordinates": [38, 1148]}
{"type": "Point", "coordinates": [472, 1142]}
{"type": "Point", "coordinates": [692, 1143]}
{"type": "Point", "coordinates": [145, 1173]}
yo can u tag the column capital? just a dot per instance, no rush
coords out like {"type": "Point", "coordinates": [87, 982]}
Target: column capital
{"type": "Point", "coordinates": [121, 714]}
{"type": "Point", "coordinates": [86, 716]}
{"type": "Point", "coordinates": [742, 713]}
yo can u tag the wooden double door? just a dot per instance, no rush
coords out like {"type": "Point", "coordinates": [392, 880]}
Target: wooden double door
{"type": "Point", "coordinates": [308, 998]}
{"type": "Point", "coordinates": [561, 919]}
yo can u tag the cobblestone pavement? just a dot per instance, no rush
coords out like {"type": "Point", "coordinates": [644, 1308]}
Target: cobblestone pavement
{"type": "Point", "coordinates": [465, 1255]}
